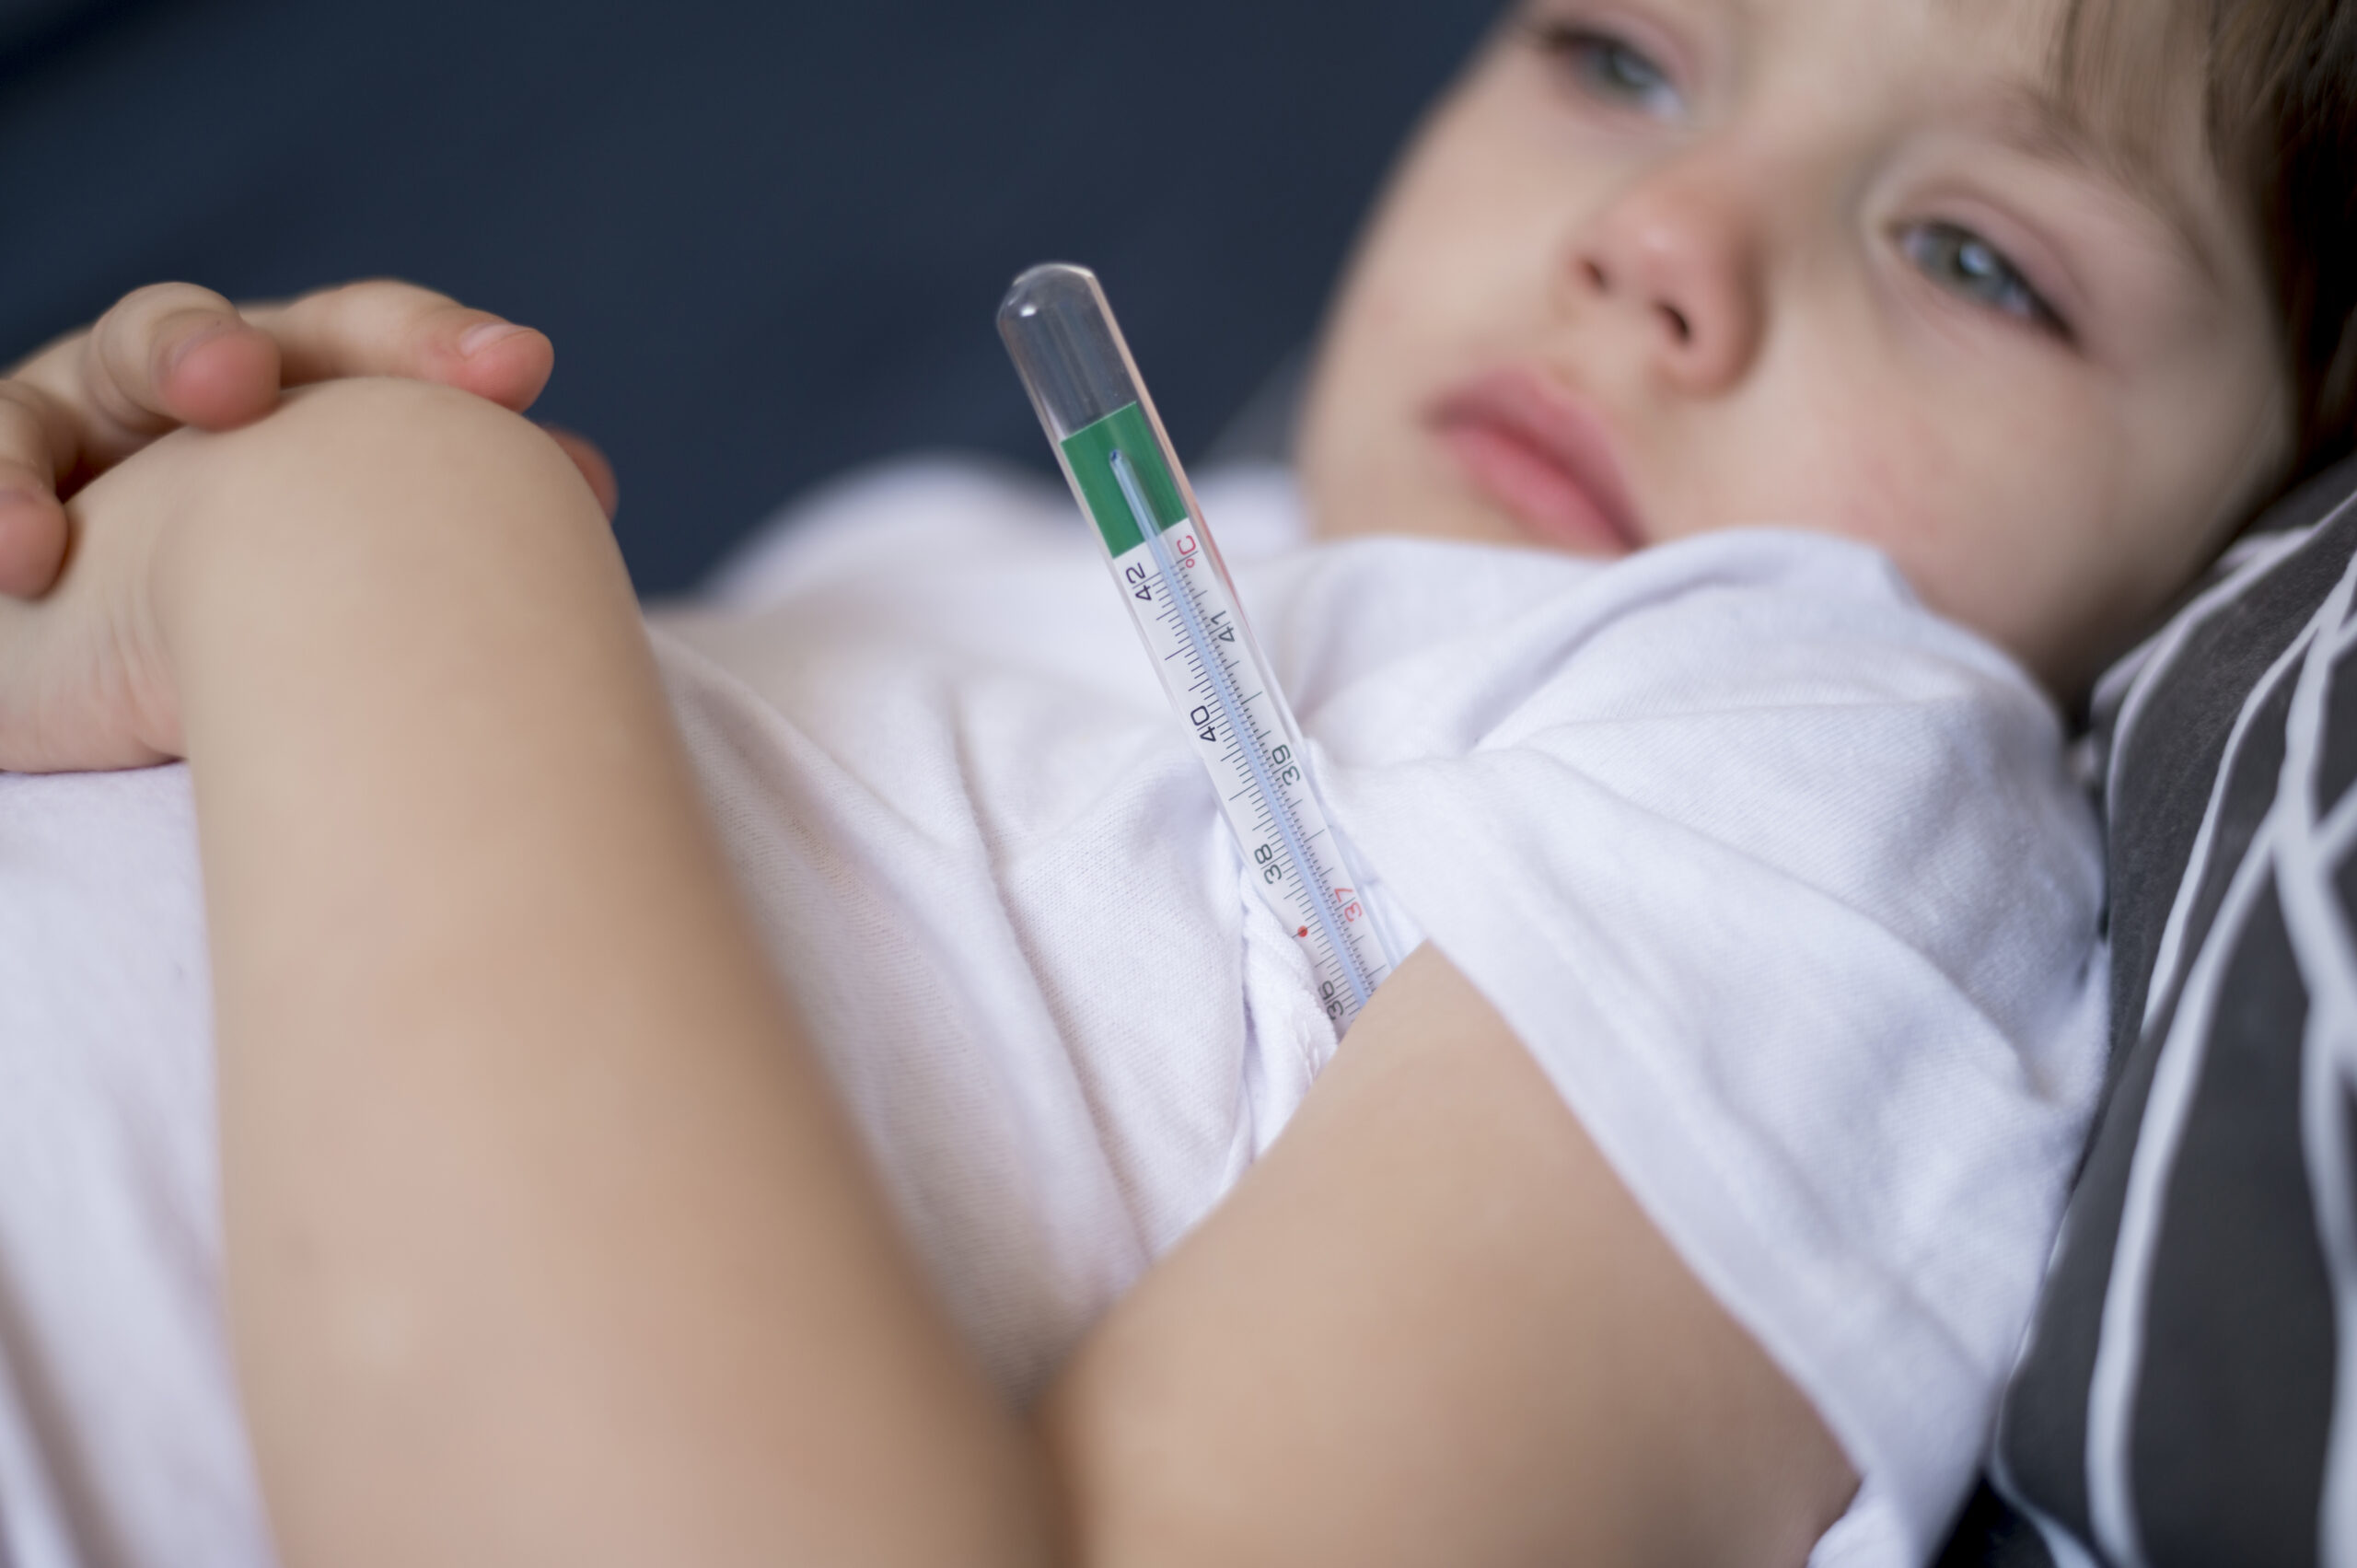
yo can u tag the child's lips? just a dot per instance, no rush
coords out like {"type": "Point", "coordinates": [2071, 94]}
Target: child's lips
{"type": "Point", "coordinates": [1534, 450]}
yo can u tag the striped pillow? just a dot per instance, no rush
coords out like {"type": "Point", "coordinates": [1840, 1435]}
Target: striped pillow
{"type": "Point", "coordinates": [2179, 1399]}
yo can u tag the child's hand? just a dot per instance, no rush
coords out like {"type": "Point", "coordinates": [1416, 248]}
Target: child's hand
{"type": "Point", "coordinates": [346, 495]}
{"type": "Point", "coordinates": [175, 354]}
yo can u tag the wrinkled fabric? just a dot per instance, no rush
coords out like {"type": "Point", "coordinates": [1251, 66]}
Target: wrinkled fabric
{"type": "Point", "coordinates": [1780, 879]}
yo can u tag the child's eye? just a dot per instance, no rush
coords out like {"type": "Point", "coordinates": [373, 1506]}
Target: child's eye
{"type": "Point", "coordinates": [1611, 68]}
{"type": "Point", "coordinates": [1961, 262]}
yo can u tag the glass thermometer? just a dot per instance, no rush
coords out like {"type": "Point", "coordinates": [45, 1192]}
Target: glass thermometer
{"type": "Point", "coordinates": [1083, 382]}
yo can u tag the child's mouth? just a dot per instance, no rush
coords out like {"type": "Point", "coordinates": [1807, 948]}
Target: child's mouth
{"type": "Point", "coordinates": [1532, 450]}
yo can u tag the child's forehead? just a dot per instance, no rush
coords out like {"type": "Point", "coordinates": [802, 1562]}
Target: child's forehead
{"type": "Point", "coordinates": [2081, 53]}
{"type": "Point", "coordinates": [2026, 31]}
{"type": "Point", "coordinates": [2112, 88]}
{"type": "Point", "coordinates": [2116, 86]}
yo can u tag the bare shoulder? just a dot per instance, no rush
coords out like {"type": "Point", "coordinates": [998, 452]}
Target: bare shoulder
{"type": "Point", "coordinates": [1432, 1327]}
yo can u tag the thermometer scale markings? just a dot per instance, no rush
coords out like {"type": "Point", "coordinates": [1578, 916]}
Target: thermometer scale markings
{"type": "Point", "coordinates": [1279, 813]}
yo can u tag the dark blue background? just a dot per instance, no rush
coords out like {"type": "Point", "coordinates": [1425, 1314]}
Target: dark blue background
{"type": "Point", "coordinates": [767, 240]}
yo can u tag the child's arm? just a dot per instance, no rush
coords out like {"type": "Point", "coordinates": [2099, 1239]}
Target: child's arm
{"type": "Point", "coordinates": [1430, 1326]}
{"type": "Point", "coordinates": [547, 1242]}
{"type": "Point", "coordinates": [174, 355]}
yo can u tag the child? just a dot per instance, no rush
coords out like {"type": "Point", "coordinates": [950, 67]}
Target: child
{"type": "Point", "coordinates": [545, 1238]}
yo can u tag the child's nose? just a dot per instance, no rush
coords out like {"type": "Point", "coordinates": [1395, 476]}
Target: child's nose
{"type": "Point", "coordinates": [1677, 255]}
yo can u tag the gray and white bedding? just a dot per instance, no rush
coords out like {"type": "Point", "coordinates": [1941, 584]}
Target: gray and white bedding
{"type": "Point", "coordinates": [2183, 1398]}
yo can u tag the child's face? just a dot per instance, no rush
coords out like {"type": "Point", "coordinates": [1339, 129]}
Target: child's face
{"type": "Point", "coordinates": [1662, 266]}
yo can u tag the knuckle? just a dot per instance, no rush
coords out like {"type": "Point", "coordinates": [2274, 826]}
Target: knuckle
{"type": "Point", "coordinates": [115, 373]}
{"type": "Point", "coordinates": [156, 301]}
{"type": "Point", "coordinates": [382, 286]}
{"type": "Point", "coordinates": [387, 300]}
{"type": "Point", "coordinates": [29, 428]}
{"type": "Point", "coordinates": [22, 399]}
{"type": "Point", "coordinates": [123, 360]}
{"type": "Point", "coordinates": [371, 325]}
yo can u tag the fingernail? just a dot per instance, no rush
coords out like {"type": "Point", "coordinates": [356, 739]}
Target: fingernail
{"type": "Point", "coordinates": [476, 338]}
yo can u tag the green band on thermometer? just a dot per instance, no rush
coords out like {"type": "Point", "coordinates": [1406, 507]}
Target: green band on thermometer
{"type": "Point", "coordinates": [1085, 386]}
{"type": "Point", "coordinates": [1088, 457]}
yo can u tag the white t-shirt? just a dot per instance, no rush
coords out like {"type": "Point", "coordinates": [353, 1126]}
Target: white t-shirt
{"type": "Point", "coordinates": [1780, 879]}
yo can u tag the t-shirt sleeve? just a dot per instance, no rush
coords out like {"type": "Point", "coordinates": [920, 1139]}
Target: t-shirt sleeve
{"type": "Point", "coordinates": [1785, 883]}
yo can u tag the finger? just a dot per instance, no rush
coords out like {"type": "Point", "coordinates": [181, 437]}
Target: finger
{"type": "Point", "coordinates": [32, 541]}
{"type": "Point", "coordinates": [591, 461]}
{"type": "Point", "coordinates": [38, 438]}
{"type": "Point", "coordinates": [168, 354]}
{"type": "Point", "coordinates": [32, 524]}
{"type": "Point", "coordinates": [221, 378]}
{"type": "Point", "coordinates": [385, 327]}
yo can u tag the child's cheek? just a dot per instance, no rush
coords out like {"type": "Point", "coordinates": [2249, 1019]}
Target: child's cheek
{"type": "Point", "coordinates": [1995, 508]}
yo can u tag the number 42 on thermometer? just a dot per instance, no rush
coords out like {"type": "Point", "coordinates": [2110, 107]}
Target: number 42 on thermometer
{"type": "Point", "coordinates": [1085, 388]}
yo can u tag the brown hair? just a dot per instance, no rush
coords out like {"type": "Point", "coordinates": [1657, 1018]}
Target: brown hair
{"type": "Point", "coordinates": [2283, 114]}
{"type": "Point", "coordinates": [2280, 91]}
